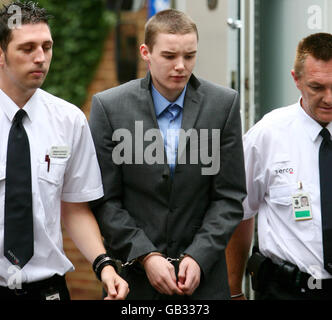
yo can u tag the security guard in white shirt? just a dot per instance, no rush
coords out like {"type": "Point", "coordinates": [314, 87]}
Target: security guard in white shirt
{"type": "Point", "coordinates": [47, 159]}
{"type": "Point", "coordinates": [288, 157]}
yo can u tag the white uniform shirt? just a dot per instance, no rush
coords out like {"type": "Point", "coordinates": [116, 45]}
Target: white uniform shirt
{"type": "Point", "coordinates": [282, 150]}
{"type": "Point", "coordinates": [74, 177]}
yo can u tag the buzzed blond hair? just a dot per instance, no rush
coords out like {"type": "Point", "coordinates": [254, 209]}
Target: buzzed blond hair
{"type": "Point", "coordinates": [168, 21]}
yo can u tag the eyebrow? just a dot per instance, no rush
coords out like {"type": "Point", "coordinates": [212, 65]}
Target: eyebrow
{"type": "Point", "coordinates": [315, 83]}
{"type": "Point", "coordinates": [33, 43]}
{"type": "Point", "coordinates": [174, 52]}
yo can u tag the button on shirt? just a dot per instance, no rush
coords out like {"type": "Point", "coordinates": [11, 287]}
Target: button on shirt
{"type": "Point", "coordinates": [282, 150]}
{"type": "Point", "coordinates": [169, 123]}
{"type": "Point", "coordinates": [72, 176]}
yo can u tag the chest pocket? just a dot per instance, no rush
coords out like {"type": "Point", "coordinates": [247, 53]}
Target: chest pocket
{"type": "Point", "coordinates": [53, 172]}
{"type": "Point", "coordinates": [50, 181]}
{"type": "Point", "coordinates": [282, 194]}
{"type": "Point", "coordinates": [281, 200]}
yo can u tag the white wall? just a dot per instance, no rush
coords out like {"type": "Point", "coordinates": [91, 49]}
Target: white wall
{"type": "Point", "coordinates": [213, 49]}
{"type": "Point", "coordinates": [283, 24]}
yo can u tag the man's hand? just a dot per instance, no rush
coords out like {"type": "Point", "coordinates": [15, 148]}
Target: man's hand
{"type": "Point", "coordinates": [189, 275]}
{"type": "Point", "coordinates": [161, 275]}
{"type": "Point", "coordinates": [115, 286]}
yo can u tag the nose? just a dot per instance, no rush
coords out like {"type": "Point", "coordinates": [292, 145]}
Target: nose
{"type": "Point", "coordinates": [327, 99]}
{"type": "Point", "coordinates": [179, 66]}
{"type": "Point", "coordinates": [39, 56]}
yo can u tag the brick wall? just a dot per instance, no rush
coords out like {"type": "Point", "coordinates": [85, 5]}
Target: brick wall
{"type": "Point", "coordinates": [106, 76]}
{"type": "Point", "coordinates": [82, 283]}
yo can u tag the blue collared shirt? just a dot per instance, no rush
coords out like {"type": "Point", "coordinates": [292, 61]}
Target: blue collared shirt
{"type": "Point", "coordinates": [168, 126]}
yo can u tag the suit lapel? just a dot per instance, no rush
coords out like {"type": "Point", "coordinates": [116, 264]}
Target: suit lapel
{"type": "Point", "coordinates": [191, 109]}
{"type": "Point", "coordinates": [148, 101]}
{"type": "Point", "coordinates": [191, 104]}
{"type": "Point", "coordinates": [146, 85]}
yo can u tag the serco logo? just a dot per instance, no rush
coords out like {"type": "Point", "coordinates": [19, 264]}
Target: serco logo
{"type": "Point", "coordinates": [285, 170]}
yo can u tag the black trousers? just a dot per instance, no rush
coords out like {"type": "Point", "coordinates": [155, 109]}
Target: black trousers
{"type": "Point", "coordinates": [54, 288]}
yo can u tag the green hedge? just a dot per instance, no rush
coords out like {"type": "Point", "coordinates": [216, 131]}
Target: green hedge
{"type": "Point", "coordinates": [79, 28]}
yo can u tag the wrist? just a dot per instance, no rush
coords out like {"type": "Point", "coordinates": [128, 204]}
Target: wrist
{"type": "Point", "coordinates": [101, 262]}
{"type": "Point", "coordinates": [107, 270]}
{"type": "Point", "coordinates": [146, 257]}
{"type": "Point", "coordinates": [235, 285]}
{"type": "Point", "coordinates": [238, 295]}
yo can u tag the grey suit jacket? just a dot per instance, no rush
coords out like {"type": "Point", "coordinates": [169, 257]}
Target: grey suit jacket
{"type": "Point", "coordinates": [144, 209]}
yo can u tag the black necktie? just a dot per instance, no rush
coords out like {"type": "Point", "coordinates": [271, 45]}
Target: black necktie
{"type": "Point", "coordinates": [18, 234]}
{"type": "Point", "coordinates": [325, 172]}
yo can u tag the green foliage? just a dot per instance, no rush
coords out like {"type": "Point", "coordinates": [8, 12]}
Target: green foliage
{"type": "Point", "coordinates": [79, 28]}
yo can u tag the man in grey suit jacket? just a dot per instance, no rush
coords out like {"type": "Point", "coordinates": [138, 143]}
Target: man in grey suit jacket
{"type": "Point", "coordinates": [171, 156]}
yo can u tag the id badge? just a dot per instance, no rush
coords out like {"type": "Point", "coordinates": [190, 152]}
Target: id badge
{"type": "Point", "coordinates": [302, 206]}
{"type": "Point", "coordinates": [59, 152]}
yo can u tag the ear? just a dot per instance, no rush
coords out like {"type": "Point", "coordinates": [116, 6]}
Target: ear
{"type": "Point", "coordinates": [2, 57]}
{"type": "Point", "coordinates": [296, 79]}
{"type": "Point", "coordinates": [145, 53]}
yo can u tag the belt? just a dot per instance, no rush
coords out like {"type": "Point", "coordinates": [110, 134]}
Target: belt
{"type": "Point", "coordinates": [34, 286]}
{"type": "Point", "coordinates": [289, 275]}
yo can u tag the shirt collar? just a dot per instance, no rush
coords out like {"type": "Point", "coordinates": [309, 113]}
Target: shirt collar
{"type": "Point", "coordinates": [312, 127]}
{"type": "Point", "coordinates": [161, 103]}
{"type": "Point", "coordinates": [9, 107]}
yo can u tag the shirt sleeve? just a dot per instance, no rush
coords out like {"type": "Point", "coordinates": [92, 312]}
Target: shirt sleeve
{"type": "Point", "coordinates": [254, 177]}
{"type": "Point", "coordinates": [82, 181]}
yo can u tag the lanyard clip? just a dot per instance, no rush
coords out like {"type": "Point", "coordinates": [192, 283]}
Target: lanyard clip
{"type": "Point", "coordinates": [300, 185]}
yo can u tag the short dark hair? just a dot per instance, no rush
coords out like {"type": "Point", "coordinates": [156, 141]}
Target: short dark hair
{"type": "Point", "coordinates": [31, 13]}
{"type": "Point", "coordinates": [168, 21]}
{"type": "Point", "coordinates": [317, 45]}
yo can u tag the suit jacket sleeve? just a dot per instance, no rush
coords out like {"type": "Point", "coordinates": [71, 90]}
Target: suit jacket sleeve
{"type": "Point", "coordinates": [117, 226]}
{"type": "Point", "coordinates": [227, 193]}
